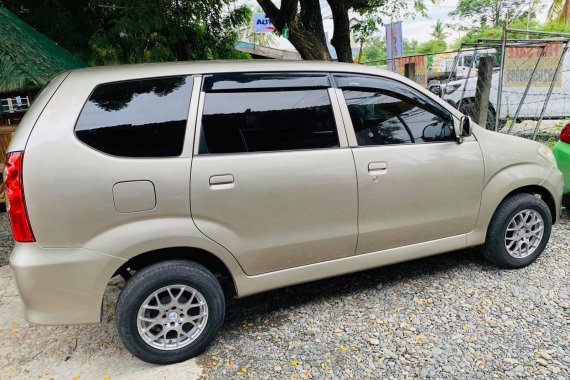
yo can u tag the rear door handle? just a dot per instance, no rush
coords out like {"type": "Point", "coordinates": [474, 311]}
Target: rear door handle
{"type": "Point", "coordinates": [377, 168]}
{"type": "Point", "coordinates": [225, 181]}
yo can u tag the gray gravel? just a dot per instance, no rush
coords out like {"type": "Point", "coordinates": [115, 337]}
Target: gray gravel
{"type": "Point", "coordinates": [6, 241]}
{"type": "Point", "coordinates": [449, 316]}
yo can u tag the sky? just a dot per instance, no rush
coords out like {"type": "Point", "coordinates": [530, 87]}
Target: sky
{"type": "Point", "coordinates": [418, 28]}
{"type": "Point", "coordinates": [415, 29]}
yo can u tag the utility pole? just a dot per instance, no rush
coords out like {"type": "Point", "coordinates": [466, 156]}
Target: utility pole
{"type": "Point", "coordinates": [392, 65]}
{"type": "Point", "coordinates": [528, 19]}
{"type": "Point", "coordinates": [360, 51]}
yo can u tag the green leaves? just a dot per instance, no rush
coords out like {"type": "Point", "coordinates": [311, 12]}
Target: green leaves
{"type": "Point", "coordinates": [132, 31]}
{"type": "Point", "coordinates": [493, 13]}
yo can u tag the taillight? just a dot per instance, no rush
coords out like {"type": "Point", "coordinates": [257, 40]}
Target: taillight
{"type": "Point", "coordinates": [565, 134]}
{"type": "Point", "coordinates": [15, 201]}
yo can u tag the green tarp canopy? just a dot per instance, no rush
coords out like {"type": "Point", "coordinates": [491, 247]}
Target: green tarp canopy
{"type": "Point", "coordinates": [28, 59]}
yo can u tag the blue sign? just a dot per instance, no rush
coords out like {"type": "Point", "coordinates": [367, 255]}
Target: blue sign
{"type": "Point", "coordinates": [394, 43]}
{"type": "Point", "coordinates": [262, 24]}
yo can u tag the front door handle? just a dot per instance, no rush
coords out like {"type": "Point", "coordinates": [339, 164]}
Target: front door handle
{"type": "Point", "coordinates": [225, 181]}
{"type": "Point", "coordinates": [377, 168]}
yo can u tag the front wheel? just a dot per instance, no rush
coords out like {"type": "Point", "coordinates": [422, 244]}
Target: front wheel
{"type": "Point", "coordinates": [170, 312]}
{"type": "Point", "coordinates": [518, 232]}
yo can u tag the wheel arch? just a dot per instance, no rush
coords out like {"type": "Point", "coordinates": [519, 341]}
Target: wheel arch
{"type": "Point", "coordinates": [201, 256]}
{"type": "Point", "coordinates": [544, 194]}
{"type": "Point", "coordinates": [500, 188]}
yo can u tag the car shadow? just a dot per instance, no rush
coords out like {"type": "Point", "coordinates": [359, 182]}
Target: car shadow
{"type": "Point", "coordinates": [244, 310]}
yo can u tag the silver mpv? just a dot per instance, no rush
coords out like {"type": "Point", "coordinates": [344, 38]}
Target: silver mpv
{"type": "Point", "coordinates": [199, 181]}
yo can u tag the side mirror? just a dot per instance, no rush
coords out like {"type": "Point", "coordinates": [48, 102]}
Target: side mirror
{"type": "Point", "coordinates": [464, 128]}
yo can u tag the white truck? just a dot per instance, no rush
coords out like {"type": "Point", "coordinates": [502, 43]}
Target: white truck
{"type": "Point", "coordinates": [444, 63]}
{"type": "Point", "coordinates": [461, 92]}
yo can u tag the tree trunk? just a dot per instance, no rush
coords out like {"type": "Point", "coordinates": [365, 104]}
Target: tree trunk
{"type": "Point", "coordinates": [312, 18]}
{"type": "Point", "coordinates": [306, 32]}
{"type": "Point", "coordinates": [341, 37]}
{"type": "Point", "coordinates": [308, 46]}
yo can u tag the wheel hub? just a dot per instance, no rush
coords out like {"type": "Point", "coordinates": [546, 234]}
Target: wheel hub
{"type": "Point", "coordinates": [172, 317]}
{"type": "Point", "coordinates": [524, 233]}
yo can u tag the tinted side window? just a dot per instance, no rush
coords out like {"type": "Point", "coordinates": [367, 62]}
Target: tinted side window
{"type": "Point", "coordinates": [139, 118]}
{"type": "Point", "coordinates": [267, 121]}
{"type": "Point", "coordinates": [388, 112]}
{"type": "Point", "coordinates": [380, 119]}
{"type": "Point", "coordinates": [274, 81]}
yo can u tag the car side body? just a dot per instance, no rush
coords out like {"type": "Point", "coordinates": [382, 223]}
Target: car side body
{"type": "Point", "coordinates": [263, 220]}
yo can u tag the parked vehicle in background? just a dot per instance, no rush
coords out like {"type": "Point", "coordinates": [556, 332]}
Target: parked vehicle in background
{"type": "Point", "coordinates": [461, 63]}
{"type": "Point", "coordinates": [562, 154]}
{"type": "Point", "coordinates": [196, 181]}
{"type": "Point", "coordinates": [519, 65]}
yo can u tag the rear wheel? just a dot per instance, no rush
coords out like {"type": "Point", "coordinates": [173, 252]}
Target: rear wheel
{"type": "Point", "coordinates": [518, 232]}
{"type": "Point", "coordinates": [170, 312]}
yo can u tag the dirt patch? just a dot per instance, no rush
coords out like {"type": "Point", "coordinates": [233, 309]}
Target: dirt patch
{"type": "Point", "coordinates": [58, 352]}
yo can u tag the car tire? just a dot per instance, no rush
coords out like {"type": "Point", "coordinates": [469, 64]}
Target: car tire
{"type": "Point", "coordinates": [518, 232]}
{"type": "Point", "coordinates": [155, 317]}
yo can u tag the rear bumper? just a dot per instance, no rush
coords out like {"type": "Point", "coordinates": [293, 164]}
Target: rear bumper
{"type": "Point", "coordinates": [61, 285]}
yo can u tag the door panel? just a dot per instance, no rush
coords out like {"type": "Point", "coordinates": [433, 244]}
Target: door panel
{"type": "Point", "coordinates": [277, 210]}
{"type": "Point", "coordinates": [415, 182]}
{"type": "Point", "coordinates": [273, 178]}
{"type": "Point", "coordinates": [425, 192]}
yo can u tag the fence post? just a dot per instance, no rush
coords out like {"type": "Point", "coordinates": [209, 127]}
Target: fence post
{"type": "Point", "coordinates": [410, 71]}
{"type": "Point", "coordinates": [483, 90]}
{"type": "Point", "coordinates": [501, 75]}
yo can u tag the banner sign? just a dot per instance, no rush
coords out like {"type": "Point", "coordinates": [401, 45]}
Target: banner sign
{"type": "Point", "coordinates": [262, 24]}
{"type": "Point", "coordinates": [421, 67]}
{"type": "Point", "coordinates": [394, 43]}
{"type": "Point", "coordinates": [521, 60]}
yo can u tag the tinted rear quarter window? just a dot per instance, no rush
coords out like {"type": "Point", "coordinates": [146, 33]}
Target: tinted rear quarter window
{"type": "Point", "coordinates": [137, 118]}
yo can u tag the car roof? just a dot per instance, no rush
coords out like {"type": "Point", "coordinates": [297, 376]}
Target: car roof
{"type": "Point", "coordinates": [212, 67]}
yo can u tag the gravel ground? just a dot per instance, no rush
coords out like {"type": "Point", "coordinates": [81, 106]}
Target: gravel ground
{"type": "Point", "coordinates": [448, 316]}
{"type": "Point", "coordinates": [6, 241]}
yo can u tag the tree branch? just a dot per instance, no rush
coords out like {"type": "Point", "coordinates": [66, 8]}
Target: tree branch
{"type": "Point", "coordinates": [305, 35]}
{"type": "Point", "coordinates": [269, 8]}
{"type": "Point", "coordinates": [341, 36]}
{"type": "Point", "coordinates": [312, 18]}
